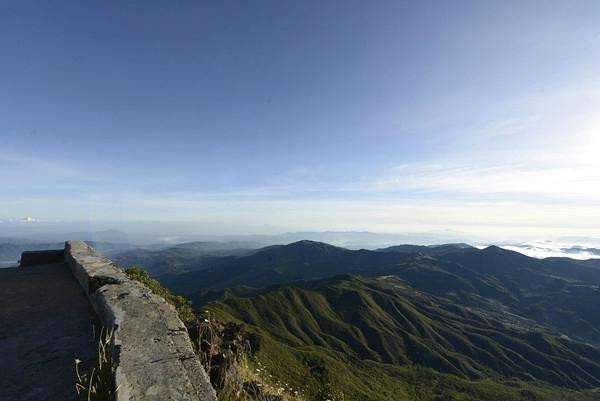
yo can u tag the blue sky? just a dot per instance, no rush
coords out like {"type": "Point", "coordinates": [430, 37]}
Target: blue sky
{"type": "Point", "coordinates": [277, 116]}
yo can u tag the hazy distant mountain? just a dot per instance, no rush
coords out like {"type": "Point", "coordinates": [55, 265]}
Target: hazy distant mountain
{"type": "Point", "coordinates": [11, 263]}
{"type": "Point", "coordinates": [184, 257]}
{"type": "Point", "coordinates": [110, 236]}
{"type": "Point", "coordinates": [431, 250]}
{"type": "Point", "coordinates": [582, 249]}
{"type": "Point", "coordinates": [11, 251]}
{"type": "Point", "coordinates": [109, 248]}
{"type": "Point", "coordinates": [204, 246]}
{"type": "Point", "coordinates": [171, 234]}
{"type": "Point", "coordinates": [149, 236]}
{"type": "Point", "coordinates": [12, 248]}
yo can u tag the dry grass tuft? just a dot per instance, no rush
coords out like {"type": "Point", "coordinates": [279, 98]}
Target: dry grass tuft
{"type": "Point", "coordinates": [98, 384]}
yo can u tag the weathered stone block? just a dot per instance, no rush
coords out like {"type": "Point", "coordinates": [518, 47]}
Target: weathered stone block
{"type": "Point", "coordinates": [154, 354]}
{"type": "Point", "coordinates": [37, 258]}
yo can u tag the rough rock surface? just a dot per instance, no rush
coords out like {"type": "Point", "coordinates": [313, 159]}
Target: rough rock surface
{"type": "Point", "coordinates": [155, 356]}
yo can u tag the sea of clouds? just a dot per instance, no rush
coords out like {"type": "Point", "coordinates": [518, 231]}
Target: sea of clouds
{"type": "Point", "coordinates": [558, 248]}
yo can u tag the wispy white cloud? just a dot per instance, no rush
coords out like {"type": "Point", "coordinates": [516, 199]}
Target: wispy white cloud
{"type": "Point", "coordinates": [549, 248]}
{"type": "Point", "coordinates": [500, 182]}
{"type": "Point", "coordinates": [542, 147]}
{"type": "Point", "coordinates": [531, 171]}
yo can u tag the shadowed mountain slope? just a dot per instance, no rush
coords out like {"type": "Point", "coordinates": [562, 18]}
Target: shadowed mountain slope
{"type": "Point", "coordinates": [303, 260]}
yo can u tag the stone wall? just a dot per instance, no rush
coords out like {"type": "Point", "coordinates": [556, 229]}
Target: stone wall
{"type": "Point", "coordinates": [36, 258]}
{"type": "Point", "coordinates": [153, 352]}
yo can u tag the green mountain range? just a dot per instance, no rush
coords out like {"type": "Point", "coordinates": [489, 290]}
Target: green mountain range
{"type": "Point", "coordinates": [379, 339]}
{"type": "Point", "coordinates": [558, 296]}
{"type": "Point", "coordinates": [414, 323]}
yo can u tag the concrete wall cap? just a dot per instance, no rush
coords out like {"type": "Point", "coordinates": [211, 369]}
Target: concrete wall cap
{"type": "Point", "coordinates": [152, 350]}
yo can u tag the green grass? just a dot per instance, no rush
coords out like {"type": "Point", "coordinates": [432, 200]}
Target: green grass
{"type": "Point", "coordinates": [180, 303]}
{"type": "Point", "coordinates": [377, 339]}
{"type": "Point", "coordinates": [222, 351]}
{"type": "Point", "coordinates": [374, 340]}
{"type": "Point", "coordinates": [99, 383]}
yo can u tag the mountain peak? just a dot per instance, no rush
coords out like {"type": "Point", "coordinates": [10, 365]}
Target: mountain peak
{"type": "Point", "coordinates": [493, 248]}
{"type": "Point", "coordinates": [308, 244]}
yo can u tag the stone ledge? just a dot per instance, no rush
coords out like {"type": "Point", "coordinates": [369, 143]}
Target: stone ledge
{"type": "Point", "coordinates": [154, 355]}
{"type": "Point", "coordinates": [36, 258]}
